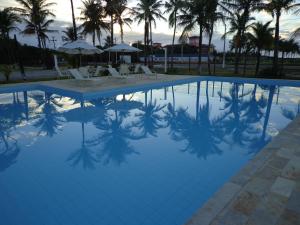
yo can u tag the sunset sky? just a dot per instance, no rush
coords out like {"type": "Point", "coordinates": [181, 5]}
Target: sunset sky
{"type": "Point", "coordinates": [162, 33]}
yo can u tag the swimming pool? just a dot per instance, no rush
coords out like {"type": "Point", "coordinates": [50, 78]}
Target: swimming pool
{"type": "Point", "coordinates": [152, 155]}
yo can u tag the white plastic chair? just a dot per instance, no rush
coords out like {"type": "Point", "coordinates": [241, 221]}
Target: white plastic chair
{"type": "Point", "coordinates": [98, 70]}
{"type": "Point", "coordinates": [137, 68]}
{"type": "Point", "coordinates": [148, 72]}
{"type": "Point", "coordinates": [124, 69]}
{"type": "Point", "coordinates": [114, 73]}
{"type": "Point", "coordinates": [76, 74]}
{"type": "Point", "coordinates": [84, 71]}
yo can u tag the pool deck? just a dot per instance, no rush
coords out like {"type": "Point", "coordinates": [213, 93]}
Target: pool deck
{"type": "Point", "coordinates": [110, 83]}
{"type": "Point", "coordinates": [265, 192]}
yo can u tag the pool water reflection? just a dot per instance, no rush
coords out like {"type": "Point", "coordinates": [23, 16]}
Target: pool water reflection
{"type": "Point", "coordinates": [149, 157]}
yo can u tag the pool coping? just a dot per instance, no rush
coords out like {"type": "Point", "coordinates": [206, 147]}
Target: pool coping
{"type": "Point", "coordinates": [178, 79]}
{"type": "Point", "coordinates": [261, 192]}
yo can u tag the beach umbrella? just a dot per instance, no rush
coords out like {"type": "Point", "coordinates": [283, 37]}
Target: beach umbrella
{"type": "Point", "coordinates": [122, 48]}
{"type": "Point", "coordinates": [79, 47]}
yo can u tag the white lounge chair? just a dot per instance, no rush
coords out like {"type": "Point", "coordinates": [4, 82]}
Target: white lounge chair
{"type": "Point", "coordinates": [137, 68]}
{"type": "Point", "coordinates": [98, 70]}
{"type": "Point", "coordinates": [124, 69]}
{"type": "Point", "coordinates": [84, 71]}
{"type": "Point", "coordinates": [76, 74]}
{"type": "Point", "coordinates": [148, 72]}
{"type": "Point", "coordinates": [60, 74]}
{"type": "Point", "coordinates": [114, 73]}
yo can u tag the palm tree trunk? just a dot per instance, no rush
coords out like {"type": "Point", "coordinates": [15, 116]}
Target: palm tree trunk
{"type": "Point", "coordinates": [145, 43]}
{"type": "Point", "coordinates": [245, 63]}
{"type": "Point", "coordinates": [121, 33]}
{"type": "Point", "coordinates": [257, 62]}
{"type": "Point", "coordinates": [94, 38]}
{"type": "Point", "coordinates": [111, 30]}
{"type": "Point", "coordinates": [282, 61]}
{"type": "Point", "coordinates": [209, 46]}
{"type": "Point", "coordinates": [173, 40]}
{"type": "Point", "coordinates": [276, 44]}
{"type": "Point", "coordinates": [74, 22]}
{"type": "Point", "coordinates": [200, 48]}
{"type": "Point", "coordinates": [151, 42]}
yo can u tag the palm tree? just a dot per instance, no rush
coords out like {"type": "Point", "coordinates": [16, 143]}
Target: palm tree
{"type": "Point", "coordinates": [286, 47]}
{"type": "Point", "coordinates": [238, 27]}
{"type": "Point", "coordinates": [93, 16]}
{"type": "Point", "coordinates": [173, 7]}
{"type": "Point", "coordinates": [35, 14]}
{"type": "Point", "coordinates": [261, 37]}
{"type": "Point", "coordinates": [122, 17]}
{"type": "Point", "coordinates": [195, 16]}
{"type": "Point", "coordinates": [8, 20]}
{"type": "Point", "coordinates": [74, 21]}
{"type": "Point", "coordinates": [148, 11]}
{"type": "Point", "coordinates": [213, 15]}
{"type": "Point", "coordinates": [276, 8]}
{"type": "Point", "coordinates": [244, 8]}
{"type": "Point", "coordinates": [296, 33]}
{"type": "Point", "coordinates": [110, 10]}
{"type": "Point", "coordinates": [69, 34]}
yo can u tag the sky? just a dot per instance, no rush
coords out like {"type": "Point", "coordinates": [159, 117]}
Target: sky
{"type": "Point", "coordinates": [162, 33]}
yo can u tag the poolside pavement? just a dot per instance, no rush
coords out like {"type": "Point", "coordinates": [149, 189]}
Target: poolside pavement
{"type": "Point", "coordinates": [265, 192]}
{"type": "Point", "coordinates": [109, 83]}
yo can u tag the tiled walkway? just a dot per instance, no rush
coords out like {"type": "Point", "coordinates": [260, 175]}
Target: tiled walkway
{"type": "Point", "coordinates": [265, 192]}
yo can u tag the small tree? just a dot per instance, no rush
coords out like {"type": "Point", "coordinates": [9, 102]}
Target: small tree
{"type": "Point", "coordinates": [6, 70]}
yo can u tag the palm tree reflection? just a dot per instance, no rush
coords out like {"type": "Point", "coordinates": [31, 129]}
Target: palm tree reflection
{"type": "Point", "coordinates": [232, 119]}
{"type": "Point", "coordinates": [202, 134]}
{"type": "Point", "coordinates": [149, 120]}
{"type": "Point", "coordinates": [47, 118]}
{"type": "Point", "coordinates": [84, 154]}
{"type": "Point", "coordinates": [113, 139]}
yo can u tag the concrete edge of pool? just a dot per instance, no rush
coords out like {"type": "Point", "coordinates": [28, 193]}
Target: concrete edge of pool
{"type": "Point", "coordinates": [265, 191]}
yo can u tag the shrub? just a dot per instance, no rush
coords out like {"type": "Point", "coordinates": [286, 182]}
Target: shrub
{"type": "Point", "coordinates": [6, 70]}
{"type": "Point", "coordinates": [270, 73]}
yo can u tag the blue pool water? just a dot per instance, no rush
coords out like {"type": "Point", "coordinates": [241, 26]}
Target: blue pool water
{"type": "Point", "coordinates": [150, 156]}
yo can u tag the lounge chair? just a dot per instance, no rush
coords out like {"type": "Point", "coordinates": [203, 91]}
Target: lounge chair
{"type": "Point", "coordinates": [60, 74]}
{"type": "Point", "coordinates": [114, 73]}
{"type": "Point", "coordinates": [148, 72]}
{"type": "Point", "coordinates": [124, 69]}
{"type": "Point", "coordinates": [84, 71]}
{"type": "Point", "coordinates": [76, 74]}
{"type": "Point", "coordinates": [98, 70]}
{"type": "Point", "coordinates": [137, 68]}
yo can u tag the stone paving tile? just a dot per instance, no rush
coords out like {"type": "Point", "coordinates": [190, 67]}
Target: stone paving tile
{"type": "Point", "coordinates": [289, 217]}
{"type": "Point", "coordinates": [246, 203]}
{"type": "Point", "coordinates": [258, 186]}
{"type": "Point", "coordinates": [214, 205]}
{"type": "Point", "coordinates": [283, 187]}
{"type": "Point", "coordinates": [292, 169]}
{"type": "Point", "coordinates": [287, 153]}
{"type": "Point", "coordinates": [278, 162]}
{"type": "Point", "coordinates": [268, 210]}
{"type": "Point", "coordinates": [294, 202]}
{"type": "Point", "coordinates": [229, 217]}
{"type": "Point", "coordinates": [269, 173]}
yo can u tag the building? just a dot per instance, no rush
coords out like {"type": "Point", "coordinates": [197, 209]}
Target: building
{"type": "Point", "coordinates": [157, 45]}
